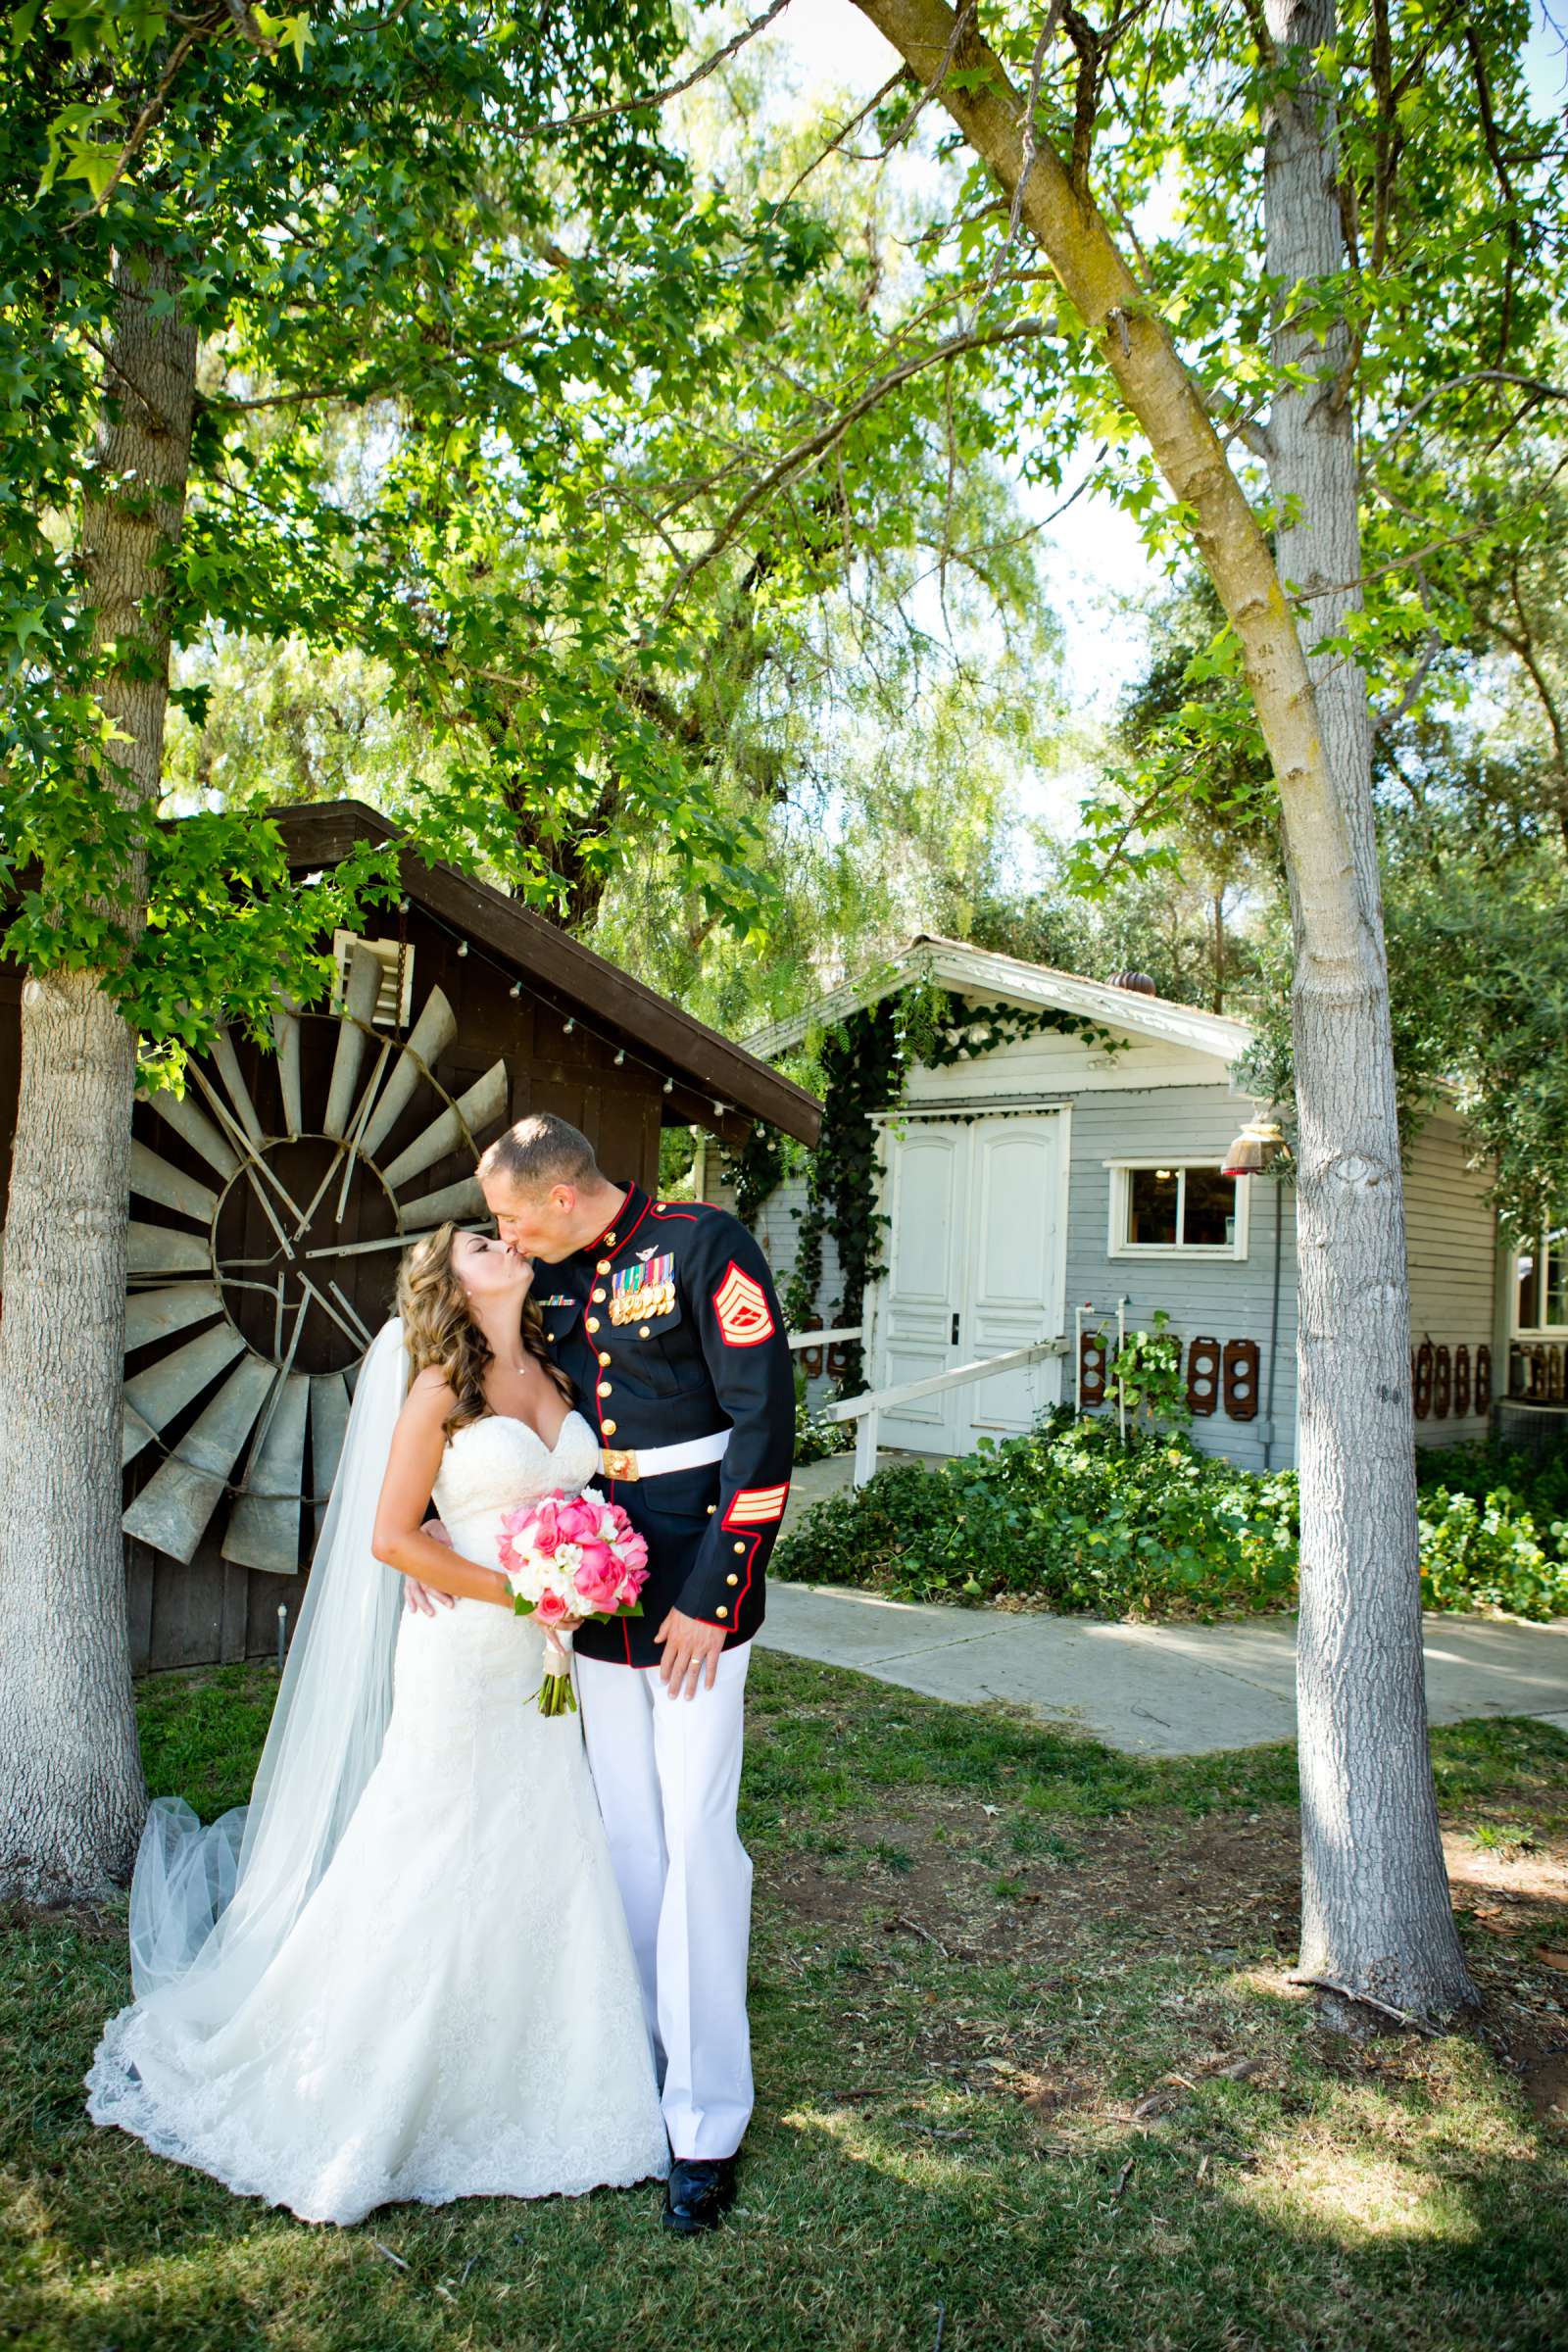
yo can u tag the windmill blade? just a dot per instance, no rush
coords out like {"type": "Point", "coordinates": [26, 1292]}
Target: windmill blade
{"type": "Point", "coordinates": [428, 1039]}
{"type": "Point", "coordinates": [154, 1178]}
{"type": "Point", "coordinates": [172, 1509]}
{"type": "Point", "coordinates": [197, 1130]}
{"type": "Point", "coordinates": [157, 1250]}
{"type": "Point", "coordinates": [154, 1397]}
{"type": "Point", "coordinates": [484, 1102]}
{"type": "Point", "coordinates": [464, 1199]}
{"type": "Point", "coordinates": [286, 1038]}
{"type": "Point", "coordinates": [360, 1116]}
{"type": "Point", "coordinates": [158, 1314]}
{"type": "Point", "coordinates": [359, 992]}
{"type": "Point", "coordinates": [134, 1435]}
{"type": "Point", "coordinates": [239, 1094]}
{"type": "Point", "coordinates": [329, 1418]}
{"type": "Point", "coordinates": [264, 1526]}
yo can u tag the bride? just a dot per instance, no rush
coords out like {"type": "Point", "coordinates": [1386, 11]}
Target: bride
{"type": "Point", "coordinates": [403, 1970]}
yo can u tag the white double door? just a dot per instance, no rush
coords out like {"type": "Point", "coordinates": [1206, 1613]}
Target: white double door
{"type": "Point", "coordinates": [976, 1255]}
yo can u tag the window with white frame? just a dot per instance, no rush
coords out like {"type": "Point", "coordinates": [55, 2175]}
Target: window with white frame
{"type": "Point", "coordinates": [1541, 1286]}
{"type": "Point", "coordinates": [1176, 1207]}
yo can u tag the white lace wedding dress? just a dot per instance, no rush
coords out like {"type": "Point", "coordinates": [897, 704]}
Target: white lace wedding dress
{"type": "Point", "coordinates": [455, 2011]}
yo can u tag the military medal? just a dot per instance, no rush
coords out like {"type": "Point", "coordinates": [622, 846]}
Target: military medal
{"type": "Point", "coordinates": [638, 1293]}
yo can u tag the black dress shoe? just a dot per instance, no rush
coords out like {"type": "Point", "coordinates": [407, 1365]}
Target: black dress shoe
{"type": "Point", "coordinates": [698, 2194]}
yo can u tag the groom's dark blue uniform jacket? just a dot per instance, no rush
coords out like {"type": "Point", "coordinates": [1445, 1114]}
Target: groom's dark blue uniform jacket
{"type": "Point", "coordinates": [669, 1328]}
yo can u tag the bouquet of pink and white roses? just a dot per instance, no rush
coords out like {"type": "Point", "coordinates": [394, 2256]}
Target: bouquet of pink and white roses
{"type": "Point", "coordinates": [570, 1556]}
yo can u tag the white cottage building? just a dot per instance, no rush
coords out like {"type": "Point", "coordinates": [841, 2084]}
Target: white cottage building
{"type": "Point", "coordinates": [1055, 1187]}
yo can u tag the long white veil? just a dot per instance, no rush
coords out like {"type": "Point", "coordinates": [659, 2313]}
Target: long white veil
{"type": "Point", "coordinates": [209, 1907]}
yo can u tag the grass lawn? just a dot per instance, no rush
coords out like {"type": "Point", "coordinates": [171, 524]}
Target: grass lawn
{"type": "Point", "coordinates": [1029, 2073]}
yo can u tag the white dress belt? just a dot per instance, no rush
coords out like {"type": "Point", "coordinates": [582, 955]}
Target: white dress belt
{"type": "Point", "coordinates": [631, 1463]}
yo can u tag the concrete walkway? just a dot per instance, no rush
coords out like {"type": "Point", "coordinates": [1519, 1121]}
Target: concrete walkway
{"type": "Point", "coordinates": [1164, 1690]}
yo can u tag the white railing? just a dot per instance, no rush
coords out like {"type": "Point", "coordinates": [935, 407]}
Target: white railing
{"type": "Point", "coordinates": [867, 1408]}
{"type": "Point", "coordinates": [825, 1339]}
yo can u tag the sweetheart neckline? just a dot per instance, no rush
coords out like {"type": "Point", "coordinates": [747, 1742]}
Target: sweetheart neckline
{"type": "Point", "coordinates": [517, 1422]}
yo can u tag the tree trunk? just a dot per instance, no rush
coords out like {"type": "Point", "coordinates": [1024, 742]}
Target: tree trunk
{"type": "Point", "coordinates": [71, 1796]}
{"type": "Point", "coordinates": [1376, 1903]}
{"type": "Point", "coordinates": [1375, 1912]}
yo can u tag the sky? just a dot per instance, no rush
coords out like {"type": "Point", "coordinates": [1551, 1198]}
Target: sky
{"type": "Point", "coordinates": [1101, 560]}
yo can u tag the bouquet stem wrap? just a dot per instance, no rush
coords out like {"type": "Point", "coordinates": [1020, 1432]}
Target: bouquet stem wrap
{"type": "Point", "coordinates": [555, 1693]}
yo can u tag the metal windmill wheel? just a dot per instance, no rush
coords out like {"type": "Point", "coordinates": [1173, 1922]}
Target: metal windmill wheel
{"type": "Point", "coordinates": [272, 1243]}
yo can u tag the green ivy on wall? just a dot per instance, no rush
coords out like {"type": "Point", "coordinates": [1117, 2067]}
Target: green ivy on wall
{"type": "Point", "coordinates": [862, 1065]}
{"type": "Point", "coordinates": [759, 1168]}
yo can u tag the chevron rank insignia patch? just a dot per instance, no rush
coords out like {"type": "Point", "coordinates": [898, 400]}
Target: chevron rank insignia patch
{"type": "Point", "coordinates": [757, 1506]}
{"type": "Point", "coordinates": [742, 1310]}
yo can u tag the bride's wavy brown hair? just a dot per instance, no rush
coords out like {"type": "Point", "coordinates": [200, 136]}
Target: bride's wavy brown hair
{"type": "Point", "coordinates": [439, 1330]}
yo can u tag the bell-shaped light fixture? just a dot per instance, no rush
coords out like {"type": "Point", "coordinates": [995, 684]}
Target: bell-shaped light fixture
{"type": "Point", "coordinates": [1256, 1148]}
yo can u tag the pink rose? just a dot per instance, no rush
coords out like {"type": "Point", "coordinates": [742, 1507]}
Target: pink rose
{"type": "Point", "coordinates": [547, 1527]}
{"type": "Point", "coordinates": [597, 1578]}
{"type": "Point", "coordinates": [628, 1589]}
{"type": "Point", "coordinates": [633, 1550]}
{"type": "Point", "coordinates": [550, 1608]}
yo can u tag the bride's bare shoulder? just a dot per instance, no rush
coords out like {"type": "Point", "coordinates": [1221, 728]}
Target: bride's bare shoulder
{"type": "Point", "coordinates": [430, 1398]}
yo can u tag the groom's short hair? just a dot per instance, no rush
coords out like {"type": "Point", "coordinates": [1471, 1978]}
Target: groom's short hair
{"type": "Point", "coordinates": [538, 1151]}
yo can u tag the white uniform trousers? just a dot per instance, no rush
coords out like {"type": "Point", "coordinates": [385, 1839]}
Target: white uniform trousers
{"type": "Point", "coordinates": [668, 1773]}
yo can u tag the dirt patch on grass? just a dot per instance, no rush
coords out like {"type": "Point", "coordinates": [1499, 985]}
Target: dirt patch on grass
{"type": "Point", "coordinates": [992, 1884]}
{"type": "Point", "coordinates": [101, 1923]}
{"type": "Point", "coordinates": [974, 1882]}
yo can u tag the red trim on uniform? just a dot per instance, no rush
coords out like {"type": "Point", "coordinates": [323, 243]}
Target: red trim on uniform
{"type": "Point", "coordinates": [596, 1249]}
{"type": "Point", "coordinates": [596, 1278]}
{"type": "Point", "coordinates": [609, 1222]}
{"type": "Point", "coordinates": [753, 1537]}
{"type": "Point", "coordinates": [671, 1209]}
{"type": "Point", "coordinates": [631, 1229]}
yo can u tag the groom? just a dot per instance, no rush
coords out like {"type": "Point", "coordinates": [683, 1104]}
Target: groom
{"type": "Point", "coordinates": [664, 1316]}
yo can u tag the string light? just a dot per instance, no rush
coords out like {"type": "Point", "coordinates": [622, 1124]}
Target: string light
{"type": "Point", "coordinates": [515, 988]}
{"type": "Point", "coordinates": [566, 1028]}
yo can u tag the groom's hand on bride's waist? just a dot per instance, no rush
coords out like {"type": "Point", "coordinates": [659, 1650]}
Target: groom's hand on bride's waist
{"type": "Point", "coordinates": [691, 1653]}
{"type": "Point", "coordinates": [427, 1597]}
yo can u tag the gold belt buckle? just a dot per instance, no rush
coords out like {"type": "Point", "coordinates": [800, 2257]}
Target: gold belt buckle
{"type": "Point", "coordinates": [621, 1465]}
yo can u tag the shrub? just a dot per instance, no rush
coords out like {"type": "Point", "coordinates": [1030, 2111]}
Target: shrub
{"type": "Point", "coordinates": [817, 1436]}
{"type": "Point", "coordinates": [1066, 1515]}
{"type": "Point", "coordinates": [1069, 1517]}
{"type": "Point", "coordinates": [1482, 1467]}
{"type": "Point", "coordinates": [1488, 1551]}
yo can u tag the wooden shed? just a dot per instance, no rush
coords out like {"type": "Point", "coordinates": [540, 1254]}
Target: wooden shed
{"type": "Point", "coordinates": [268, 1206]}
